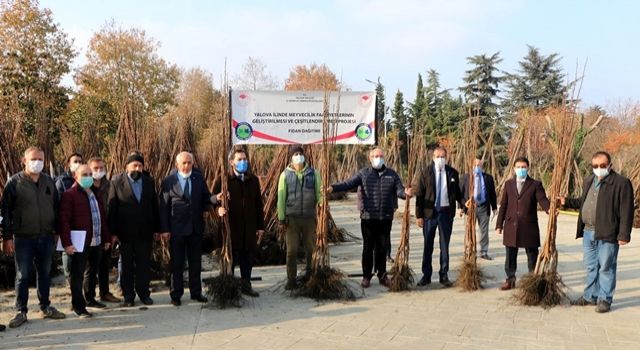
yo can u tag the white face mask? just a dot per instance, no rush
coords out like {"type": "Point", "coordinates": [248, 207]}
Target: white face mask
{"type": "Point", "coordinates": [98, 175]}
{"type": "Point", "coordinates": [35, 166]}
{"type": "Point", "coordinates": [377, 162]}
{"type": "Point", "coordinates": [439, 162]}
{"type": "Point", "coordinates": [298, 159]}
{"type": "Point", "coordinates": [599, 172]}
{"type": "Point", "coordinates": [184, 175]}
{"type": "Point", "coordinates": [73, 167]}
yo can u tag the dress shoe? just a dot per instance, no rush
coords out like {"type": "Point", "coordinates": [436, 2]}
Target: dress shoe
{"type": "Point", "coordinates": [366, 282]}
{"type": "Point", "coordinates": [96, 305]}
{"type": "Point", "coordinates": [200, 298]}
{"type": "Point", "coordinates": [603, 307]}
{"type": "Point", "coordinates": [582, 302]}
{"type": "Point", "coordinates": [508, 284]}
{"type": "Point", "coordinates": [247, 290]}
{"type": "Point", "coordinates": [109, 298]}
{"type": "Point", "coordinates": [486, 257]}
{"type": "Point", "coordinates": [384, 280]}
{"type": "Point", "coordinates": [423, 282]}
{"type": "Point", "coordinates": [128, 303]}
{"type": "Point", "coordinates": [83, 313]}
{"type": "Point", "coordinates": [445, 282]}
{"type": "Point", "coordinates": [176, 302]}
{"type": "Point", "coordinates": [147, 301]}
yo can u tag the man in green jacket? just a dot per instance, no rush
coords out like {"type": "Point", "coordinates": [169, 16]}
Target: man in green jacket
{"type": "Point", "coordinates": [298, 197]}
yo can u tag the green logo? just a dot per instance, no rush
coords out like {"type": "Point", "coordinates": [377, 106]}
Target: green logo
{"type": "Point", "coordinates": [244, 131]}
{"type": "Point", "coordinates": [363, 132]}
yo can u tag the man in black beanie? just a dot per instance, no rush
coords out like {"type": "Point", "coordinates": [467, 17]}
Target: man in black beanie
{"type": "Point", "coordinates": [133, 220]}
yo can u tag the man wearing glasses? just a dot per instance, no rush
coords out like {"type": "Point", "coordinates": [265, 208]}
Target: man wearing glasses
{"type": "Point", "coordinates": [604, 223]}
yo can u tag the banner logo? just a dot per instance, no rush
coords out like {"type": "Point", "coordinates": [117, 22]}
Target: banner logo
{"type": "Point", "coordinates": [244, 131]}
{"type": "Point", "coordinates": [363, 132]}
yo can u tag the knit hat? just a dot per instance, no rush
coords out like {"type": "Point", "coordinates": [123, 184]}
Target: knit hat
{"type": "Point", "coordinates": [134, 157]}
{"type": "Point", "coordinates": [293, 149]}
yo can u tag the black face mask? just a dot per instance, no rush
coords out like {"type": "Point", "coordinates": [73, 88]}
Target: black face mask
{"type": "Point", "coordinates": [135, 175]}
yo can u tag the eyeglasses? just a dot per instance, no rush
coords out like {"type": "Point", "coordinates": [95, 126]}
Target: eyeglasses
{"type": "Point", "coordinates": [601, 166]}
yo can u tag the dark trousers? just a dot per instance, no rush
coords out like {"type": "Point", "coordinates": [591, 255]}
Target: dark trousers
{"type": "Point", "coordinates": [374, 239]}
{"type": "Point", "coordinates": [443, 221]}
{"type": "Point", "coordinates": [104, 270]}
{"type": "Point", "coordinates": [83, 274]}
{"type": "Point", "coordinates": [244, 259]}
{"type": "Point", "coordinates": [511, 260]}
{"type": "Point", "coordinates": [136, 268]}
{"type": "Point", "coordinates": [27, 251]}
{"type": "Point", "coordinates": [186, 248]}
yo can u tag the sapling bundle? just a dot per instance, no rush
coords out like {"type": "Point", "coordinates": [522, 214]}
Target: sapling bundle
{"type": "Point", "coordinates": [224, 290]}
{"type": "Point", "coordinates": [471, 275]}
{"type": "Point", "coordinates": [544, 287]}
{"type": "Point", "coordinates": [322, 282]}
{"type": "Point", "coordinates": [401, 276]}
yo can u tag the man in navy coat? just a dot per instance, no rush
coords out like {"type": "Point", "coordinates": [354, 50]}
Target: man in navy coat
{"type": "Point", "coordinates": [183, 200]}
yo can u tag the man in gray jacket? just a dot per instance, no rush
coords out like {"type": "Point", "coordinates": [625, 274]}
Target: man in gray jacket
{"type": "Point", "coordinates": [29, 206]}
{"type": "Point", "coordinates": [380, 188]}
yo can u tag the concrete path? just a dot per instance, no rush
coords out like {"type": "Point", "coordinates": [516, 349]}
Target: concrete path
{"type": "Point", "coordinates": [427, 318]}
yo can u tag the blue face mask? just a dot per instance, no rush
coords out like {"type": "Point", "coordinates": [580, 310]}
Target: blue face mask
{"type": "Point", "coordinates": [242, 166]}
{"type": "Point", "coordinates": [477, 170]}
{"type": "Point", "coordinates": [522, 172]}
{"type": "Point", "coordinates": [86, 182]}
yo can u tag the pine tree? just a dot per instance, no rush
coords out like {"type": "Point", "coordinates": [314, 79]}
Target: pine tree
{"type": "Point", "coordinates": [380, 109]}
{"type": "Point", "coordinates": [418, 107]}
{"type": "Point", "coordinates": [482, 83]}
{"type": "Point", "coordinates": [399, 120]}
{"type": "Point", "coordinates": [537, 84]}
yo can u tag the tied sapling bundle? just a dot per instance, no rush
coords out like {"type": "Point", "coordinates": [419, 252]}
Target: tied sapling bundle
{"type": "Point", "coordinates": [471, 275]}
{"type": "Point", "coordinates": [401, 275]}
{"type": "Point", "coordinates": [322, 282]}
{"type": "Point", "coordinates": [544, 287]}
{"type": "Point", "coordinates": [225, 289]}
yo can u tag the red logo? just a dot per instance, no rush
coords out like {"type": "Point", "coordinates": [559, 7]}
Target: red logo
{"type": "Point", "coordinates": [243, 99]}
{"type": "Point", "coordinates": [365, 100]}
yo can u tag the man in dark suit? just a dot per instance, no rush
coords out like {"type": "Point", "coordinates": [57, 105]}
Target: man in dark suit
{"type": "Point", "coordinates": [437, 189]}
{"type": "Point", "coordinates": [484, 194]}
{"type": "Point", "coordinates": [518, 218]}
{"type": "Point", "coordinates": [184, 198]}
{"type": "Point", "coordinates": [133, 221]}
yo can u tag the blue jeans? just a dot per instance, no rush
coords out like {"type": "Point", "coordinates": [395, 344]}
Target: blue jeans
{"type": "Point", "coordinates": [601, 260]}
{"type": "Point", "coordinates": [28, 250]}
{"type": "Point", "coordinates": [443, 221]}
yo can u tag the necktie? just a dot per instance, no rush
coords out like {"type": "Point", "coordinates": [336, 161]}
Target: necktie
{"type": "Point", "coordinates": [438, 189]}
{"type": "Point", "coordinates": [520, 183]}
{"type": "Point", "coordinates": [187, 189]}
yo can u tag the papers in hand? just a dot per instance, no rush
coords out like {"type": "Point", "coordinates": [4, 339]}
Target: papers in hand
{"type": "Point", "coordinates": [77, 239]}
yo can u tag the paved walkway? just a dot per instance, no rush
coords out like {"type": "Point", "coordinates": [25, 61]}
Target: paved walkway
{"type": "Point", "coordinates": [428, 318]}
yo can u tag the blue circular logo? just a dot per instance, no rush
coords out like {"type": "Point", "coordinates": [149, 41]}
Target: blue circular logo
{"type": "Point", "coordinates": [244, 131]}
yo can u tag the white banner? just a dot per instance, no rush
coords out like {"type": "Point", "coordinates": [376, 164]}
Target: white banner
{"type": "Point", "coordinates": [290, 117]}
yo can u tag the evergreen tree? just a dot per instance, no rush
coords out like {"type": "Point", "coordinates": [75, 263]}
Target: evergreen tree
{"type": "Point", "coordinates": [418, 107]}
{"type": "Point", "coordinates": [380, 109]}
{"type": "Point", "coordinates": [399, 120]}
{"type": "Point", "coordinates": [482, 83]}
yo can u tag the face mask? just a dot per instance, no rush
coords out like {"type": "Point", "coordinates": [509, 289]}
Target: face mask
{"type": "Point", "coordinates": [35, 166]}
{"type": "Point", "coordinates": [135, 175]}
{"type": "Point", "coordinates": [242, 166]}
{"type": "Point", "coordinates": [184, 175]}
{"type": "Point", "coordinates": [299, 159]}
{"type": "Point", "coordinates": [98, 175]}
{"type": "Point", "coordinates": [439, 162]}
{"type": "Point", "coordinates": [377, 162]}
{"type": "Point", "coordinates": [522, 172]}
{"type": "Point", "coordinates": [73, 167]}
{"type": "Point", "coordinates": [477, 170]}
{"type": "Point", "coordinates": [599, 172]}
{"type": "Point", "coordinates": [86, 181]}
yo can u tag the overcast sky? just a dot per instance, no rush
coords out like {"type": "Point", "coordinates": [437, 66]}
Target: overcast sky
{"type": "Point", "coordinates": [392, 39]}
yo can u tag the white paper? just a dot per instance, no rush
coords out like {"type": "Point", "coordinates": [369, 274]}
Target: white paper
{"type": "Point", "coordinates": [77, 240]}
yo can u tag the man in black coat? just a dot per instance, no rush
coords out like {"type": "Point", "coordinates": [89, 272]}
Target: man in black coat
{"type": "Point", "coordinates": [184, 198]}
{"type": "Point", "coordinates": [437, 189]}
{"type": "Point", "coordinates": [484, 194]}
{"type": "Point", "coordinates": [605, 222]}
{"type": "Point", "coordinates": [379, 189]}
{"type": "Point", "coordinates": [133, 221]}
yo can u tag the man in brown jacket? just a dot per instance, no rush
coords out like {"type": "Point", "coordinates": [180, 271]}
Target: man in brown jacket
{"type": "Point", "coordinates": [246, 216]}
{"type": "Point", "coordinates": [518, 217]}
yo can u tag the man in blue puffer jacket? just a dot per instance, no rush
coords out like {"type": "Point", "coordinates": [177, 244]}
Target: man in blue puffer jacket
{"type": "Point", "coordinates": [380, 188]}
